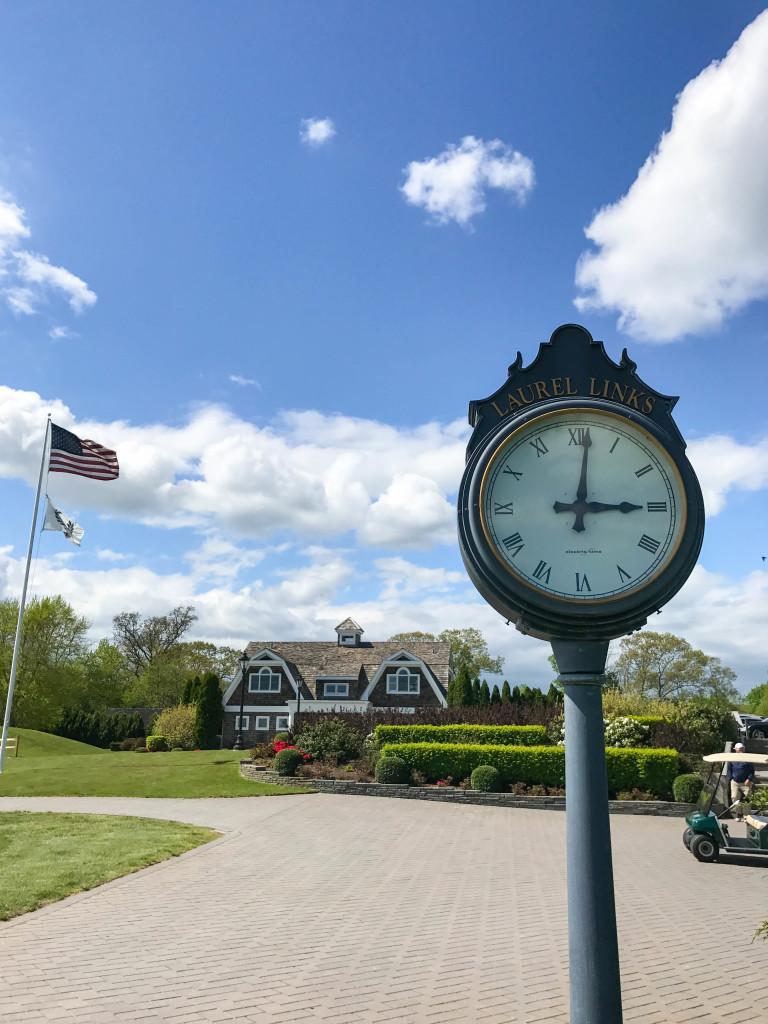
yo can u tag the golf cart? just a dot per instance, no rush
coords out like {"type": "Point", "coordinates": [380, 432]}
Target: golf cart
{"type": "Point", "coordinates": [707, 835]}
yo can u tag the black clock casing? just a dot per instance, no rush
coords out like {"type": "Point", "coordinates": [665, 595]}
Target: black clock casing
{"type": "Point", "coordinates": [573, 372]}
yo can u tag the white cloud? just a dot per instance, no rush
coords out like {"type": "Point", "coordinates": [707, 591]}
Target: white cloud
{"type": "Point", "coordinates": [452, 185]}
{"type": "Point", "coordinates": [688, 244]}
{"type": "Point", "coordinates": [219, 559]}
{"type": "Point", "coordinates": [58, 333]}
{"type": "Point", "coordinates": [315, 131]}
{"type": "Point", "coordinates": [723, 465]}
{"type": "Point", "coordinates": [38, 270]}
{"type": "Point", "coordinates": [107, 555]}
{"type": "Point", "coordinates": [26, 278]}
{"type": "Point", "coordinates": [309, 474]}
{"type": "Point", "coordinates": [402, 578]}
{"type": "Point", "coordinates": [244, 382]}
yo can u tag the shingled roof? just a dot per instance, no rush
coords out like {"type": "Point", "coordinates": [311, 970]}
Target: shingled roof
{"type": "Point", "coordinates": [313, 658]}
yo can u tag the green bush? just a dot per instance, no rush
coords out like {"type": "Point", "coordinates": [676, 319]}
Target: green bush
{"type": "Point", "coordinates": [116, 745]}
{"type": "Point", "coordinates": [331, 739]}
{"type": "Point", "coordinates": [287, 761]}
{"type": "Point", "coordinates": [141, 750]}
{"type": "Point", "coordinates": [133, 743]}
{"type": "Point", "coordinates": [486, 778]}
{"type": "Point", "coordinates": [175, 750]}
{"type": "Point", "coordinates": [391, 770]}
{"type": "Point", "coordinates": [177, 724]}
{"type": "Point", "coordinates": [649, 769]}
{"type": "Point", "coordinates": [283, 737]}
{"type": "Point", "coordinates": [156, 743]}
{"type": "Point", "coordinates": [687, 788]}
{"type": "Point", "coordinates": [516, 735]}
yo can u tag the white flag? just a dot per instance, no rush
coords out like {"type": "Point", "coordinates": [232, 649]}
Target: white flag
{"type": "Point", "coordinates": [55, 519]}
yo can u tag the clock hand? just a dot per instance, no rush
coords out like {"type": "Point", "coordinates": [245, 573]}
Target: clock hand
{"type": "Point", "coordinates": [581, 491]}
{"type": "Point", "coordinates": [599, 506]}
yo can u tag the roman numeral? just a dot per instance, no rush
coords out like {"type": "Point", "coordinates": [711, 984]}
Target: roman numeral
{"type": "Point", "coordinates": [623, 574]}
{"type": "Point", "coordinates": [512, 472]}
{"type": "Point", "coordinates": [610, 451]}
{"type": "Point", "coordinates": [542, 571]}
{"type": "Point", "coordinates": [582, 583]}
{"type": "Point", "coordinates": [514, 543]}
{"type": "Point", "coordinates": [503, 510]}
{"type": "Point", "coordinates": [657, 506]}
{"type": "Point", "coordinates": [541, 448]}
{"type": "Point", "coordinates": [649, 544]}
{"type": "Point", "coordinates": [643, 471]}
{"type": "Point", "coordinates": [577, 435]}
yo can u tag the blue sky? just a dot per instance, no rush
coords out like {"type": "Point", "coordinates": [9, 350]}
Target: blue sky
{"type": "Point", "coordinates": [269, 252]}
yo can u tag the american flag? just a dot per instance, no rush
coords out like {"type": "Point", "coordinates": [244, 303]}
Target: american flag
{"type": "Point", "coordinates": [71, 454]}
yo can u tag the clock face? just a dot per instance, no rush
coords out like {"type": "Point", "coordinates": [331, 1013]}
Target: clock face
{"type": "Point", "coordinates": [583, 505]}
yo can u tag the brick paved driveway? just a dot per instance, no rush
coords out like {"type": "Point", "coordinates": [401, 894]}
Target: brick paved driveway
{"type": "Point", "coordinates": [345, 910]}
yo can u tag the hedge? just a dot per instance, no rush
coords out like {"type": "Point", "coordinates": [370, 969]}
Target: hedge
{"type": "Point", "coordinates": [500, 735]}
{"type": "Point", "coordinates": [628, 768]}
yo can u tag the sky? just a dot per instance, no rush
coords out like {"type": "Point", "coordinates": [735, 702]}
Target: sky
{"type": "Point", "coordinates": [269, 253]}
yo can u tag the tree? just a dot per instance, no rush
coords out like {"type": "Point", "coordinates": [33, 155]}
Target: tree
{"type": "Point", "coordinates": [495, 695]}
{"type": "Point", "coordinates": [470, 648]}
{"type": "Point", "coordinates": [201, 659]}
{"type": "Point", "coordinates": [506, 693]}
{"type": "Point", "coordinates": [515, 694]}
{"type": "Point", "coordinates": [209, 713]}
{"type": "Point", "coordinates": [460, 689]}
{"type": "Point", "coordinates": [106, 678]}
{"type": "Point", "coordinates": [143, 641]}
{"type": "Point", "coordinates": [485, 695]}
{"type": "Point", "coordinates": [756, 701]}
{"type": "Point", "coordinates": [667, 667]}
{"type": "Point", "coordinates": [476, 698]}
{"type": "Point", "coordinates": [410, 638]}
{"type": "Point", "coordinates": [50, 674]}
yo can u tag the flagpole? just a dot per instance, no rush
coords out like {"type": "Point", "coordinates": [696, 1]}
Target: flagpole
{"type": "Point", "coordinates": [17, 642]}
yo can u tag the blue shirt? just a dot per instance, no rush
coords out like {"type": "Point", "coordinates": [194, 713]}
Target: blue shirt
{"type": "Point", "coordinates": [741, 771]}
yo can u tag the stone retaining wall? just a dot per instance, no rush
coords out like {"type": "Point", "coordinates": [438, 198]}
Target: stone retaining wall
{"type": "Point", "coordinates": [452, 794]}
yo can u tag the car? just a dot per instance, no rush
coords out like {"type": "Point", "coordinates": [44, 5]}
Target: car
{"type": "Point", "coordinates": [756, 728]}
{"type": "Point", "coordinates": [744, 721]}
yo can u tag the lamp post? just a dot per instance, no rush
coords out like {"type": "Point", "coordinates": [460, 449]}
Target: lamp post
{"type": "Point", "coordinates": [244, 659]}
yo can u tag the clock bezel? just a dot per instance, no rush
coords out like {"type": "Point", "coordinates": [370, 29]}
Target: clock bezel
{"type": "Point", "coordinates": [546, 616]}
{"type": "Point", "coordinates": [510, 567]}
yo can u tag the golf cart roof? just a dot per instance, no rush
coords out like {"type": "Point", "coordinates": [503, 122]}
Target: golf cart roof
{"type": "Point", "coordinates": [738, 756]}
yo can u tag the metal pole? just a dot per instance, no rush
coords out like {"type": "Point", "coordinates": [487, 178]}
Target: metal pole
{"type": "Point", "coordinates": [17, 641]}
{"type": "Point", "coordinates": [592, 940]}
{"type": "Point", "coordinates": [238, 744]}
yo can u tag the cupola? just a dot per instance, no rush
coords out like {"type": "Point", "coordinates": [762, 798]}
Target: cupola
{"type": "Point", "coordinates": [349, 633]}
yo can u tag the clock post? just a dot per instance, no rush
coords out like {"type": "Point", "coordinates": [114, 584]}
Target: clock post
{"type": "Point", "coordinates": [579, 515]}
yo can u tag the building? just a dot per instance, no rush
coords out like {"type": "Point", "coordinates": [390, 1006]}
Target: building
{"type": "Point", "coordinates": [345, 674]}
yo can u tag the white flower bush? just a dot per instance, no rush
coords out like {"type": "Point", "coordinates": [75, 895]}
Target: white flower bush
{"type": "Point", "coordinates": [619, 732]}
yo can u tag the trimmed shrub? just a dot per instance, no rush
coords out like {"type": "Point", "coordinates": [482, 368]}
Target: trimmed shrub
{"type": "Point", "coordinates": [98, 728]}
{"type": "Point", "coordinates": [209, 712]}
{"type": "Point", "coordinates": [517, 735]}
{"type": "Point", "coordinates": [287, 761]}
{"type": "Point", "coordinates": [648, 769]}
{"type": "Point", "coordinates": [486, 779]}
{"type": "Point", "coordinates": [282, 737]}
{"type": "Point", "coordinates": [177, 750]}
{"type": "Point", "coordinates": [687, 788]}
{"type": "Point", "coordinates": [331, 739]}
{"type": "Point", "coordinates": [141, 750]}
{"type": "Point", "coordinates": [392, 770]}
{"type": "Point", "coordinates": [178, 726]}
{"type": "Point", "coordinates": [156, 743]}
{"type": "Point", "coordinates": [116, 745]}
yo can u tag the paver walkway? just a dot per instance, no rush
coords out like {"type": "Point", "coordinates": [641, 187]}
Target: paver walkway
{"type": "Point", "coordinates": [344, 910]}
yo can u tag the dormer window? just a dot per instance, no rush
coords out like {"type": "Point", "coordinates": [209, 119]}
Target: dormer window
{"type": "Point", "coordinates": [348, 633]}
{"type": "Point", "coordinates": [264, 681]}
{"type": "Point", "coordinates": [403, 681]}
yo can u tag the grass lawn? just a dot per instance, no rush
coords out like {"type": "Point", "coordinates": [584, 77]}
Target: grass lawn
{"type": "Point", "coordinates": [61, 768]}
{"type": "Point", "coordinates": [49, 856]}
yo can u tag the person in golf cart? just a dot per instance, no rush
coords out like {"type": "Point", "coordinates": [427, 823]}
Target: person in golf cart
{"type": "Point", "coordinates": [741, 778]}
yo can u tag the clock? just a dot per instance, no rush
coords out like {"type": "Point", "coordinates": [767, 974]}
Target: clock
{"type": "Point", "coordinates": [578, 519]}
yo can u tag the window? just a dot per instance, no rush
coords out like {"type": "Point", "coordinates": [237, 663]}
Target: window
{"type": "Point", "coordinates": [402, 681]}
{"type": "Point", "coordinates": [264, 681]}
{"type": "Point", "coordinates": [347, 639]}
{"type": "Point", "coordinates": [262, 723]}
{"type": "Point", "coordinates": [281, 723]}
{"type": "Point", "coordinates": [241, 723]}
{"type": "Point", "coordinates": [336, 690]}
